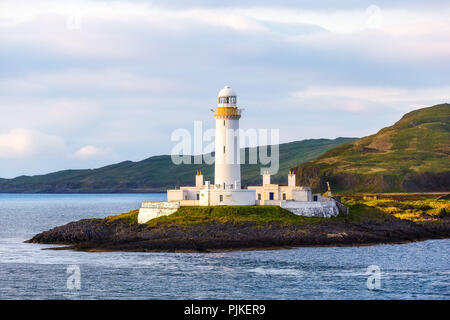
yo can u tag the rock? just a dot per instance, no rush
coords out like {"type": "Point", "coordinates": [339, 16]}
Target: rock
{"type": "Point", "coordinates": [99, 234]}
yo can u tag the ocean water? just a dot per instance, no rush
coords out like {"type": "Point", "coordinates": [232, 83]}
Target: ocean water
{"type": "Point", "coordinates": [419, 270]}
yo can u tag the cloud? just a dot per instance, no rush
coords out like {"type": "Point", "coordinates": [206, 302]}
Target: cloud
{"type": "Point", "coordinates": [124, 74]}
{"type": "Point", "coordinates": [392, 95]}
{"type": "Point", "coordinates": [23, 143]}
{"type": "Point", "coordinates": [12, 14]}
{"type": "Point", "coordinates": [83, 80]}
{"type": "Point", "coordinates": [112, 30]}
{"type": "Point", "coordinates": [88, 152]}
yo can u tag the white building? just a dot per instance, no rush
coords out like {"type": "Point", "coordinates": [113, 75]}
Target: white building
{"type": "Point", "coordinates": [226, 190]}
{"type": "Point", "coordinates": [275, 192]}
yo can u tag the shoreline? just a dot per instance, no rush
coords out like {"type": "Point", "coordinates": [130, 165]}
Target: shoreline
{"type": "Point", "coordinates": [94, 250]}
{"type": "Point", "coordinates": [98, 237]}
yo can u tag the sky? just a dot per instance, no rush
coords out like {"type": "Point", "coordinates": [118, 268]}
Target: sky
{"type": "Point", "coordinates": [90, 83]}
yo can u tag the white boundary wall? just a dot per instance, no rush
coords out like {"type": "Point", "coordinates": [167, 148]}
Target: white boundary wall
{"type": "Point", "coordinates": [151, 210]}
{"type": "Point", "coordinates": [323, 209]}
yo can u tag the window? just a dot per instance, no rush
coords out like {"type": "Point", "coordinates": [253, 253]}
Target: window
{"type": "Point", "coordinates": [198, 196]}
{"type": "Point", "coordinates": [224, 123]}
{"type": "Point", "coordinates": [315, 198]}
{"type": "Point", "coordinates": [284, 196]}
{"type": "Point", "coordinates": [236, 154]}
{"type": "Point", "coordinates": [271, 196]}
{"type": "Point", "coordinates": [221, 198]}
{"type": "Point", "coordinates": [223, 149]}
{"type": "Point", "coordinates": [259, 196]}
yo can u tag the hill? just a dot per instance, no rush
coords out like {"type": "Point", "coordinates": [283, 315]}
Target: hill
{"type": "Point", "coordinates": [412, 155]}
{"type": "Point", "coordinates": [158, 173]}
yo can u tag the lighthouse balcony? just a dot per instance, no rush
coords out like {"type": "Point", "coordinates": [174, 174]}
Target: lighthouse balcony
{"type": "Point", "coordinates": [227, 112]}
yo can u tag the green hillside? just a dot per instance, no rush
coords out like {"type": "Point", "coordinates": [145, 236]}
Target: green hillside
{"type": "Point", "coordinates": [159, 173]}
{"type": "Point", "coordinates": [411, 155]}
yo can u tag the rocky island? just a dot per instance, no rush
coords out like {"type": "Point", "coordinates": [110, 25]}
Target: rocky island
{"type": "Point", "coordinates": [408, 157]}
{"type": "Point", "coordinates": [203, 229]}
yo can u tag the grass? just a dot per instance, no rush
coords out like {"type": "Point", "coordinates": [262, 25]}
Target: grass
{"type": "Point", "coordinates": [360, 212]}
{"type": "Point", "coordinates": [392, 160]}
{"type": "Point", "coordinates": [419, 210]}
{"type": "Point", "coordinates": [186, 216]}
{"type": "Point", "coordinates": [130, 217]}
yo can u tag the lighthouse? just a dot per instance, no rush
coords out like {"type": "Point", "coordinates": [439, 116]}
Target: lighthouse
{"type": "Point", "coordinates": [227, 169]}
{"type": "Point", "coordinates": [226, 189]}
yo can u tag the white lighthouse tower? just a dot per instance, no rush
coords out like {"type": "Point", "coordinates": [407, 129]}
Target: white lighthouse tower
{"type": "Point", "coordinates": [226, 190]}
{"type": "Point", "coordinates": [227, 171]}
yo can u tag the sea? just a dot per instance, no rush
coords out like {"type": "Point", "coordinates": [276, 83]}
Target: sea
{"type": "Point", "coordinates": [417, 270]}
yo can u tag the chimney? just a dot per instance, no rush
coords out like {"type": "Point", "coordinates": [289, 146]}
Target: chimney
{"type": "Point", "coordinates": [199, 179]}
{"type": "Point", "coordinates": [291, 178]}
{"type": "Point", "coordinates": [266, 178]}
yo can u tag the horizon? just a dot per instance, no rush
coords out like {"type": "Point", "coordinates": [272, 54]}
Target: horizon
{"type": "Point", "coordinates": [85, 84]}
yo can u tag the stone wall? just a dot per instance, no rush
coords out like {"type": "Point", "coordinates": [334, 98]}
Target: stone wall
{"type": "Point", "coordinates": [151, 210]}
{"type": "Point", "coordinates": [342, 208]}
{"type": "Point", "coordinates": [322, 209]}
{"type": "Point", "coordinates": [189, 203]}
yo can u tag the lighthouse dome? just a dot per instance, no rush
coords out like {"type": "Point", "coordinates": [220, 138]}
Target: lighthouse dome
{"type": "Point", "coordinates": [226, 92]}
{"type": "Point", "coordinates": [227, 97]}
